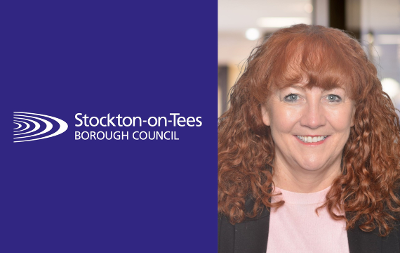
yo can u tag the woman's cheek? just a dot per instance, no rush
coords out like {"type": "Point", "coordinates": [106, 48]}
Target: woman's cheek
{"type": "Point", "coordinates": [286, 119]}
{"type": "Point", "coordinates": [340, 119]}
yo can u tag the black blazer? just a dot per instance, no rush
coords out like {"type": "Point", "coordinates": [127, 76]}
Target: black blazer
{"type": "Point", "coordinates": [251, 236]}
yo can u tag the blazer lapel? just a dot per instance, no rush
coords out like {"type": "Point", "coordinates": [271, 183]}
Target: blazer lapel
{"type": "Point", "coordinates": [363, 242]}
{"type": "Point", "coordinates": [251, 236]}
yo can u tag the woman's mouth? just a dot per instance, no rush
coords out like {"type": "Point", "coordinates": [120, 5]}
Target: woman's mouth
{"type": "Point", "coordinates": [315, 139]}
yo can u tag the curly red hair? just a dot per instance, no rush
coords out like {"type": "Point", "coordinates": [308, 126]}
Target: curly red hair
{"type": "Point", "coordinates": [367, 189]}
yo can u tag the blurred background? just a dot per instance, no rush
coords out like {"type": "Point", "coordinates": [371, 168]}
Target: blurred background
{"type": "Point", "coordinates": [242, 24]}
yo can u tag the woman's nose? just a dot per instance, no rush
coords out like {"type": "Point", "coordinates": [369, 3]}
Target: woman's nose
{"type": "Point", "coordinates": [313, 115]}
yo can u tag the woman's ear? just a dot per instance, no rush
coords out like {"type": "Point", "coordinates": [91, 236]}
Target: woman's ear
{"type": "Point", "coordinates": [265, 115]}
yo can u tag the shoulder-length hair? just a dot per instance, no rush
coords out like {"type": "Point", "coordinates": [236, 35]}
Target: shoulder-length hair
{"type": "Point", "coordinates": [367, 187]}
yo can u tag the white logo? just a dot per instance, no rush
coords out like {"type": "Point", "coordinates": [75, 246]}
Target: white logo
{"type": "Point", "coordinates": [33, 126]}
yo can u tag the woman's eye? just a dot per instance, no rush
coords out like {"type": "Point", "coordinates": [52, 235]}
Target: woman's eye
{"type": "Point", "coordinates": [291, 98]}
{"type": "Point", "coordinates": [334, 98]}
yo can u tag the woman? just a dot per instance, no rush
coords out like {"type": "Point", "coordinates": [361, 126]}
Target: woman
{"type": "Point", "coordinates": [309, 155]}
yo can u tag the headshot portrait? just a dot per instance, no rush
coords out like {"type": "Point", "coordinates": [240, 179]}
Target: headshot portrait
{"type": "Point", "coordinates": [309, 148]}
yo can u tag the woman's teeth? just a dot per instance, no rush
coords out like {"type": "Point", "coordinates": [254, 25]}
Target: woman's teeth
{"type": "Point", "coordinates": [309, 139]}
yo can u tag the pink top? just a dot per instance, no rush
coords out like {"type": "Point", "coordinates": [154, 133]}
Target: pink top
{"type": "Point", "coordinates": [295, 226]}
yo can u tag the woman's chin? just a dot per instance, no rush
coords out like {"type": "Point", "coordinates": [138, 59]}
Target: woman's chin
{"type": "Point", "coordinates": [311, 166]}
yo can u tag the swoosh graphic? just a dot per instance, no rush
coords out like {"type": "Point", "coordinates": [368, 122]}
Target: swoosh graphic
{"type": "Point", "coordinates": [29, 116]}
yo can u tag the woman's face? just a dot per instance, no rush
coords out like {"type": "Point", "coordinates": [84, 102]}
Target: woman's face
{"type": "Point", "coordinates": [309, 126]}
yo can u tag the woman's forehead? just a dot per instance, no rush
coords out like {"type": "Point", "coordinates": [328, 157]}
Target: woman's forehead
{"type": "Point", "coordinates": [313, 64]}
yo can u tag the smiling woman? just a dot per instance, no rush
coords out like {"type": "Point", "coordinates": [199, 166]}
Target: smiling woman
{"type": "Point", "coordinates": [310, 128]}
{"type": "Point", "coordinates": [309, 150]}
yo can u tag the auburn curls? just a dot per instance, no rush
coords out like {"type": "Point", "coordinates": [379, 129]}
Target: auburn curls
{"type": "Point", "coordinates": [368, 187]}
